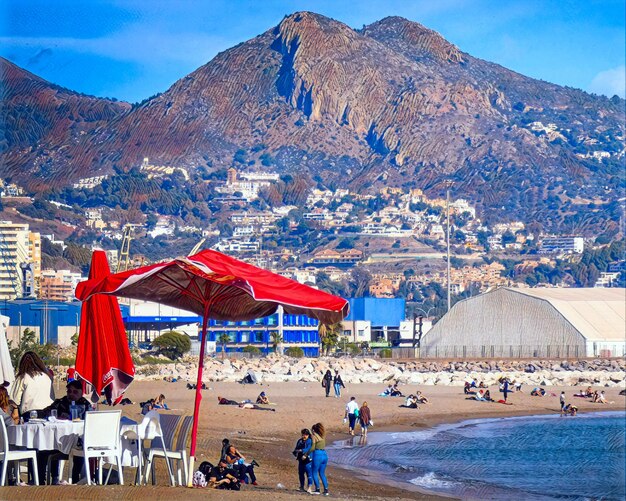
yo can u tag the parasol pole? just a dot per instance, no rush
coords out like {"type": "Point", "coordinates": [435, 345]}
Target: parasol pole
{"type": "Point", "coordinates": [196, 407]}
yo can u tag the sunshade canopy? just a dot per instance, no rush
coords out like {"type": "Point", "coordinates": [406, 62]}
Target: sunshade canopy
{"type": "Point", "coordinates": [227, 288]}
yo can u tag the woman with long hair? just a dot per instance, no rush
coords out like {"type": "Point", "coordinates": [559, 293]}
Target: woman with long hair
{"type": "Point", "coordinates": [320, 458]}
{"type": "Point", "coordinates": [32, 389]}
{"type": "Point", "coordinates": [365, 418]}
{"type": "Point", "coordinates": [8, 409]}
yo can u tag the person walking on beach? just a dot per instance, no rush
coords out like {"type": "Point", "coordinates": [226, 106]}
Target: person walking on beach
{"type": "Point", "coordinates": [320, 458]}
{"type": "Point", "coordinates": [505, 388]}
{"type": "Point", "coordinates": [338, 384]}
{"type": "Point", "coordinates": [562, 400]}
{"type": "Point", "coordinates": [302, 452]}
{"type": "Point", "coordinates": [352, 413]}
{"type": "Point", "coordinates": [327, 381]}
{"type": "Point", "coordinates": [365, 418]}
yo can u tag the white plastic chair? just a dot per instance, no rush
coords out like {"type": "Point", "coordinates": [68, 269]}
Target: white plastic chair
{"type": "Point", "coordinates": [177, 452]}
{"type": "Point", "coordinates": [101, 440]}
{"type": "Point", "coordinates": [150, 429]}
{"type": "Point", "coordinates": [8, 455]}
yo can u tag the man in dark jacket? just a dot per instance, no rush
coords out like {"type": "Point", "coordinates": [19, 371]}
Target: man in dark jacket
{"type": "Point", "coordinates": [63, 405]}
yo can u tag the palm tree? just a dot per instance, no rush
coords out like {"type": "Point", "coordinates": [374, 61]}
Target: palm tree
{"type": "Point", "coordinates": [329, 335]}
{"type": "Point", "coordinates": [224, 339]}
{"type": "Point", "coordinates": [277, 340]}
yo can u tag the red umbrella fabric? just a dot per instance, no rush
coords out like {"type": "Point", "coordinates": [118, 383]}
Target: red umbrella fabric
{"type": "Point", "coordinates": [215, 285]}
{"type": "Point", "coordinates": [103, 357]}
{"type": "Point", "coordinates": [233, 290]}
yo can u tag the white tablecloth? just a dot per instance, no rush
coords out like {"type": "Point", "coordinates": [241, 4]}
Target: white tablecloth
{"type": "Point", "coordinates": [47, 436]}
{"type": "Point", "coordinates": [63, 435]}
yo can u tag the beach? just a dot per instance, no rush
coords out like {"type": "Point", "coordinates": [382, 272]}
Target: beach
{"type": "Point", "coordinates": [269, 437]}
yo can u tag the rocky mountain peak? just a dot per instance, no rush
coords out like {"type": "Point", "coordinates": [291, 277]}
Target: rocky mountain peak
{"type": "Point", "coordinates": [417, 41]}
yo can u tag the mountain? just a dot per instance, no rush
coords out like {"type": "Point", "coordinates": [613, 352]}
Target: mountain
{"type": "Point", "coordinates": [39, 120]}
{"type": "Point", "coordinates": [392, 104]}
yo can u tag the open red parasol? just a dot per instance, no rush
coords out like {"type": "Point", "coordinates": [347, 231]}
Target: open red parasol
{"type": "Point", "coordinates": [102, 357]}
{"type": "Point", "coordinates": [217, 286]}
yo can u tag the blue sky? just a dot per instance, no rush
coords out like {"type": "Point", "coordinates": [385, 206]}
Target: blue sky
{"type": "Point", "coordinates": [132, 49]}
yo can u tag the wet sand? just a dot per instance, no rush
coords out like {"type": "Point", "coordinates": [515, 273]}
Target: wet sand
{"type": "Point", "coordinates": [269, 437]}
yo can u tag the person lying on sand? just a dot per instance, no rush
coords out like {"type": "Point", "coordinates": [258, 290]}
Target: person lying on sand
{"type": "Point", "coordinates": [248, 405]}
{"type": "Point", "coordinates": [226, 401]}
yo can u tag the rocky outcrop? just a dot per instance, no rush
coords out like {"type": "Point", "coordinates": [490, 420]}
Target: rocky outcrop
{"type": "Point", "coordinates": [362, 370]}
{"type": "Point", "coordinates": [314, 94]}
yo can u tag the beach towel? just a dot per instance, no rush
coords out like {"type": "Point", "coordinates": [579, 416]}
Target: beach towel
{"type": "Point", "coordinates": [505, 403]}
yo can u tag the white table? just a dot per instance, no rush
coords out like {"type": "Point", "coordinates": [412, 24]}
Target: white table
{"type": "Point", "coordinates": [47, 436]}
{"type": "Point", "coordinates": [63, 436]}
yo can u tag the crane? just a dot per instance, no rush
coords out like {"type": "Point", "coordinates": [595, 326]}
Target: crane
{"type": "Point", "coordinates": [123, 259]}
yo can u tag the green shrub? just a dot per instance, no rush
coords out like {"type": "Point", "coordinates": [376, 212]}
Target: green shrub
{"type": "Point", "coordinates": [251, 349]}
{"type": "Point", "coordinates": [294, 351]}
{"type": "Point", "coordinates": [172, 344]}
{"type": "Point", "coordinates": [385, 353]}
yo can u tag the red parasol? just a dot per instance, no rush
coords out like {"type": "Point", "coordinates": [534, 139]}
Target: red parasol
{"type": "Point", "coordinates": [102, 357]}
{"type": "Point", "coordinates": [217, 286]}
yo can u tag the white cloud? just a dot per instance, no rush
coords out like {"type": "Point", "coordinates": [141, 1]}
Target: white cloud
{"type": "Point", "coordinates": [610, 82]}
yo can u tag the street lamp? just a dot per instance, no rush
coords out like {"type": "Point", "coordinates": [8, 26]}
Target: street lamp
{"type": "Point", "coordinates": [418, 342]}
{"type": "Point", "coordinates": [448, 184]}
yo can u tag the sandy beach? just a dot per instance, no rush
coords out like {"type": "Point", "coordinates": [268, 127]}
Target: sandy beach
{"type": "Point", "coordinates": [269, 437]}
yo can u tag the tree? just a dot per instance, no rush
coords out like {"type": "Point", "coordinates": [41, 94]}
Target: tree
{"type": "Point", "coordinates": [224, 339]}
{"type": "Point", "coordinates": [172, 344]}
{"type": "Point", "coordinates": [277, 340]}
{"type": "Point", "coordinates": [329, 335]}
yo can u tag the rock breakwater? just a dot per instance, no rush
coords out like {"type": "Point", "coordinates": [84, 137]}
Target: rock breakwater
{"type": "Point", "coordinates": [597, 372]}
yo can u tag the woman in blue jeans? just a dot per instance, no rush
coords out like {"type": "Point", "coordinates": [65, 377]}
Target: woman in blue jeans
{"type": "Point", "coordinates": [320, 458]}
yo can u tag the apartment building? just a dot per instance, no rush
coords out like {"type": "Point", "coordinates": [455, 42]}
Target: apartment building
{"type": "Point", "coordinates": [562, 245]}
{"type": "Point", "coordinates": [18, 246]}
{"type": "Point", "coordinates": [59, 285]}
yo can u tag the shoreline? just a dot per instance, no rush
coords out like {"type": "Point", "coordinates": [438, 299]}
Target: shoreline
{"type": "Point", "coordinates": [269, 437]}
{"type": "Point", "coordinates": [378, 476]}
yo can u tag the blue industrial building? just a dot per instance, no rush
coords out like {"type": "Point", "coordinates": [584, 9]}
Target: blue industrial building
{"type": "Point", "coordinates": [296, 330]}
{"type": "Point", "coordinates": [383, 314]}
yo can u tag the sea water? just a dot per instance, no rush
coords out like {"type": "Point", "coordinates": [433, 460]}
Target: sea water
{"type": "Point", "coordinates": [531, 458]}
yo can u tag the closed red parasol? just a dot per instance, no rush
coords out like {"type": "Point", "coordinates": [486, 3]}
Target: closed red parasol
{"type": "Point", "coordinates": [217, 286]}
{"type": "Point", "coordinates": [103, 358]}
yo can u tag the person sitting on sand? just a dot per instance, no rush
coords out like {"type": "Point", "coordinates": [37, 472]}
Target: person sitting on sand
{"type": "Point", "coordinates": [421, 398]}
{"type": "Point", "coordinates": [410, 402]}
{"type": "Point", "coordinates": [480, 396]}
{"type": "Point", "coordinates": [538, 392]}
{"type": "Point", "coordinates": [482, 385]}
{"type": "Point", "coordinates": [262, 399]}
{"type": "Point", "coordinates": [225, 401]}
{"type": "Point", "coordinates": [159, 403]}
{"type": "Point", "coordinates": [395, 391]}
{"type": "Point", "coordinates": [468, 388]}
{"type": "Point", "coordinates": [600, 399]}
{"type": "Point", "coordinates": [222, 478]}
{"type": "Point", "coordinates": [487, 396]}
{"type": "Point", "coordinates": [388, 390]}
{"type": "Point", "coordinates": [237, 462]}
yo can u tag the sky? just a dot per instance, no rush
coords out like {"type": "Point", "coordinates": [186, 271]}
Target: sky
{"type": "Point", "coordinates": [133, 49]}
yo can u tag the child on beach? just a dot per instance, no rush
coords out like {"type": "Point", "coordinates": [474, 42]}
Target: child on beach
{"type": "Point", "coordinates": [302, 454]}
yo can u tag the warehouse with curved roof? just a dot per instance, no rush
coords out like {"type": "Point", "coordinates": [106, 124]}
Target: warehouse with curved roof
{"type": "Point", "coordinates": [519, 323]}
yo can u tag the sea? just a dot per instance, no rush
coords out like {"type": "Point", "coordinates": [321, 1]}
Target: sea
{"type": "Point", "coordinates": [516, 458]}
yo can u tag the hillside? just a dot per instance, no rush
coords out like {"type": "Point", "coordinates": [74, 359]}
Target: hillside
{"type": "Point", "coordinates": [392, 104]}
